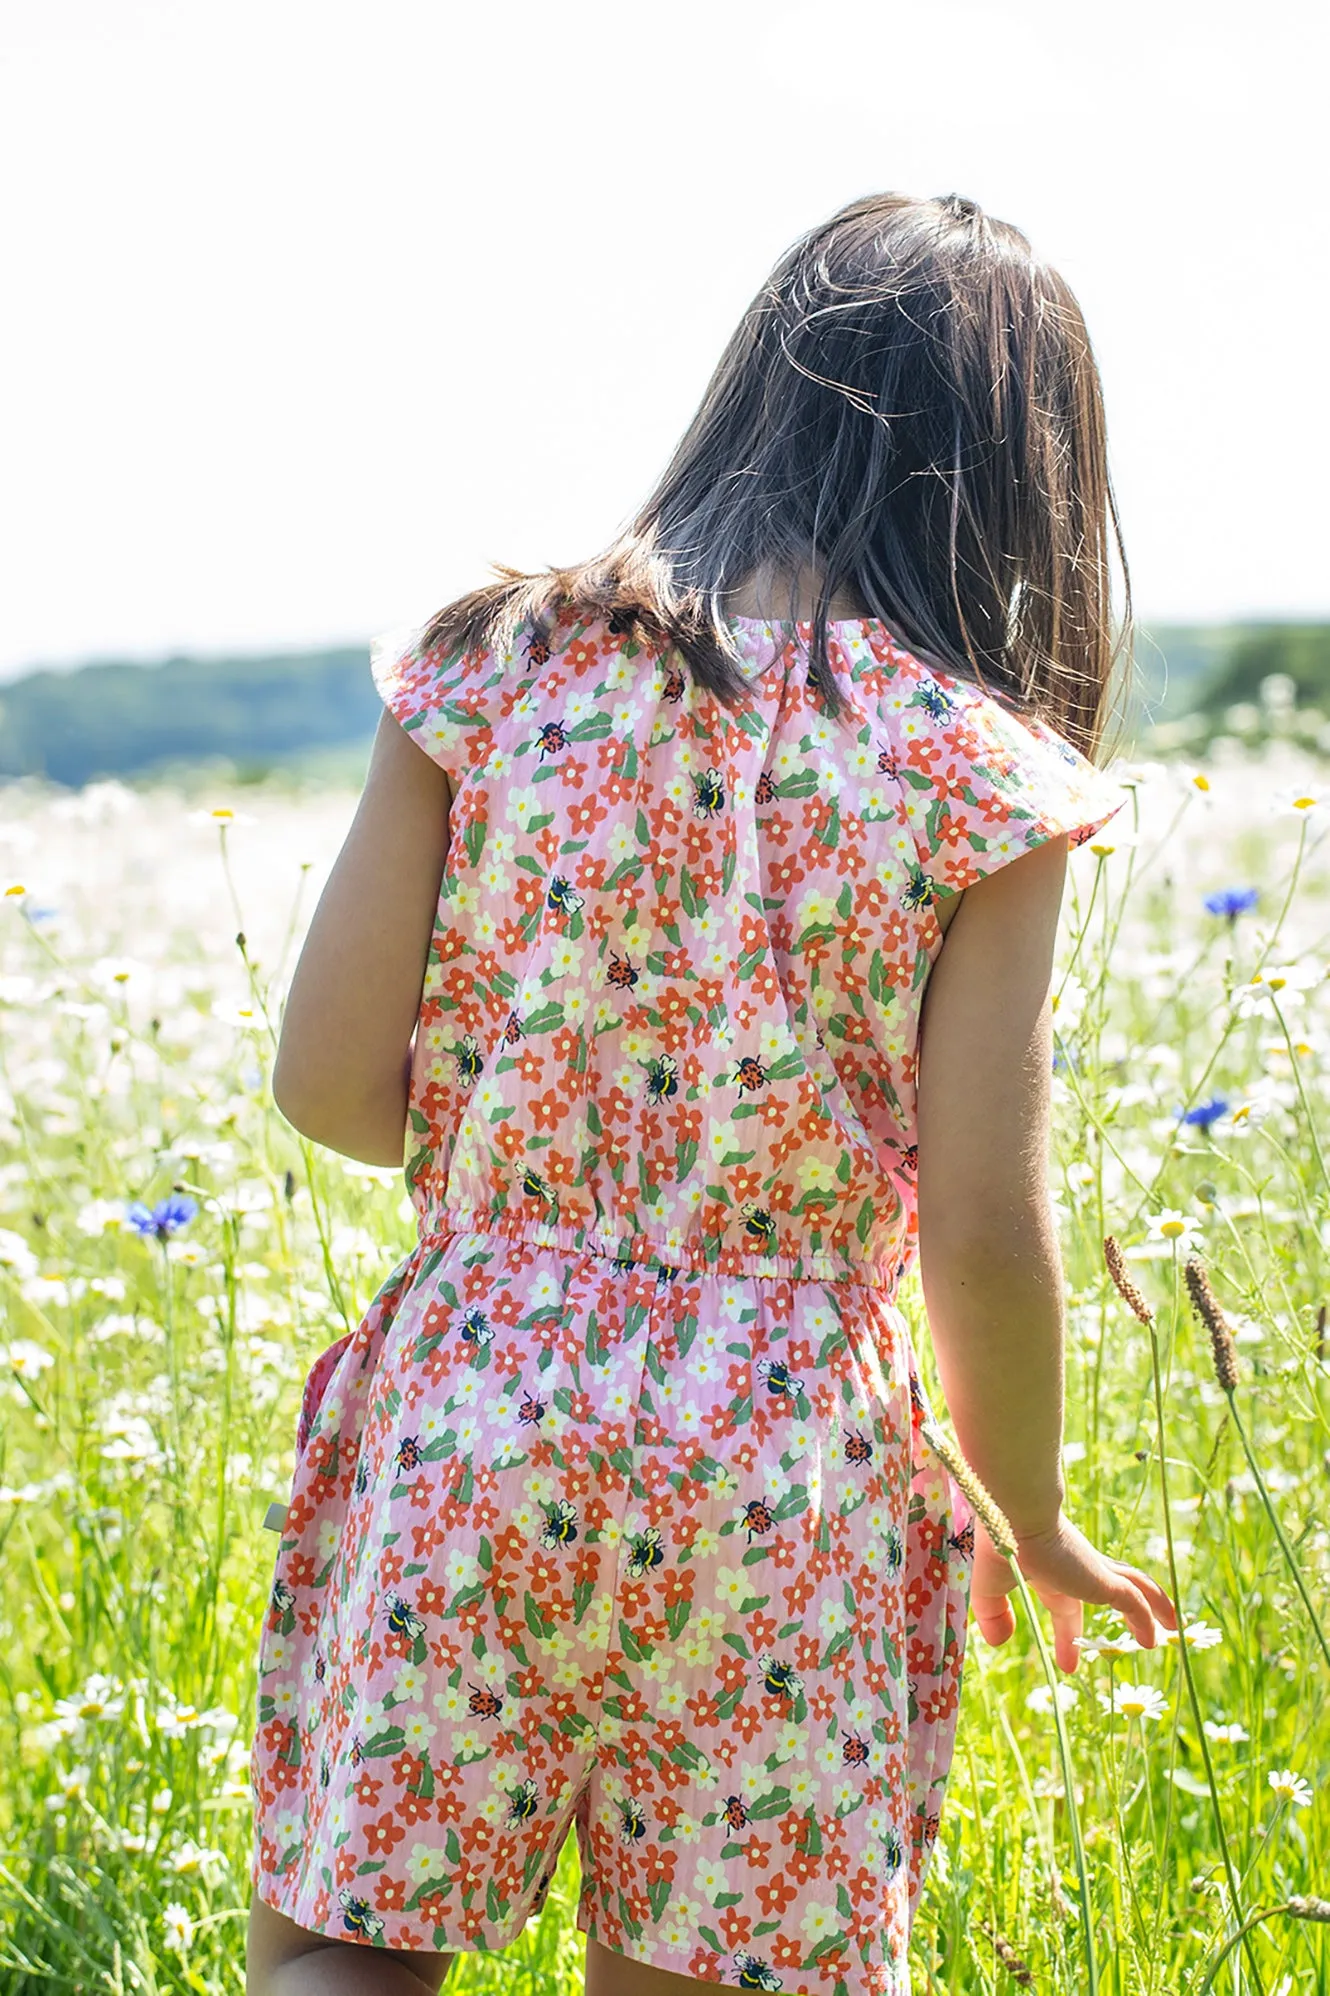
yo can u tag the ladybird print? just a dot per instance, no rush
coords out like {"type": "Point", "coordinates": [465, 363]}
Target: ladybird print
{"type": "Point", "coordinates": [615, 1517]}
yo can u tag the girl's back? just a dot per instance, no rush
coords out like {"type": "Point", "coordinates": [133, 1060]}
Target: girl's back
{"type": "Point", "coordinates": [673, 1000]}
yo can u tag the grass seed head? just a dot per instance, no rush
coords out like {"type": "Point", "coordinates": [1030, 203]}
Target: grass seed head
{"type": "Point", "coordinates": [1017, 1969]}
{"type": "Point", "coordinates": [1207, 1309]}
{"type": "Point", "coordinates": [1309, 1908]}
{"type": "Point", "coordinates": [1123, 1283]}
{"type": "Point", "coordinates": [986, 1507]}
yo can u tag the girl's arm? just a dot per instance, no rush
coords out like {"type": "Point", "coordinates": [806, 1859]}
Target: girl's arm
{"type": "Point", "coordinates": [988, 1252]}
{"type": "Point", "coordinates": [344, 1055]}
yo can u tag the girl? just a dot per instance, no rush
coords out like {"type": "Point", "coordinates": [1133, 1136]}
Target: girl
{"type": "Point", "coordinates": [695, 929]}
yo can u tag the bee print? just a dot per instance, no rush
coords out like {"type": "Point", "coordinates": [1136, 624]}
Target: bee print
{"type": "Point", "coordinates": [621, 973]}
{"type": "Point", "coordinates": [893, 1853]}
{"type": "Point", "coordinates": [779, 1680]}
{"type": "Point", "coordinates": [535, 1187]}
{"type": "Point", "coordinates": [858, 1448]}
{"type": "Point", "coordinates": [320, 1667]}
{"type": "Point", "coordinates": [356, 1751]}
{"type": "Point", "coordinates": [645, 1552]}
{"type": "Point", "coordinates": [895, 1546]}
{"type": "Point", "coordinates": [563, 898]}
{"type": "Point", "coordinates": [403, 1619]}
{"type": "Point", "coordinates": [673, 688]}
{"type": "Point", "coordinates": [484, 1703]}
{"type": "Point", "coordinates": [632, 1821]}
{"type": "Point", "coordinates": [757, 1519]}
{"type": "Point", "coordinates": [710, 798]}
{"type": "Point", "coordinates": [932, 699]}
{"type": "Point", "coordinates": [358, 1916]}
{"type": "Point", "coordinates": [408, 1453]}
{"type": "Point", "coordinates": [750, 1074]}
{"type": "Point", "coordinates": [755, 1974]}
{"type": "Point", "coordinates": [765, 791]}
{"type": "Point", "coordinates": [522, 1802]}
{"type": "Point", "coordinates": [477, 1329]}
{"type": "Point", "coordinates": [777, 1376]}
{"type": "Point", "coordinates": [512, 1032]}
{"type": "Point", "coordinates": [962, 1542]}
{"type": "Point", "coordinates": [282, 1599]}
{"type": "Point", "coordinates": [552, 738]}
{"type": "Point", "coordinates": [662, 1078]}
{"type": "Point", "coordinates": [470, 1064]}
{"type": "Point", "coordinates": [325, 1769]}
{"type": "Point", "coordinates": [735, 1812]}
{"type": "Point", "coordinates": [362, 1477]}
{"type": "Point", "coordinates": [537, 651]}
{"type": "Point", "coordinates": [918, 891]}
{"type": "Point", "coordinates": [531, 1412]}
{"type": "Point", "coordinates": [854, 1751]}
{"type": "Point", "coordinates": [560, 1526]}
{"type": "Point", "coordinates": [759, 1226]}
{"type": "Point", "coordinates": [887, 764]}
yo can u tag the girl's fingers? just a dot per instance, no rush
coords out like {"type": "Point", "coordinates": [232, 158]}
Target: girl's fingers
{"type": "Point", "coordinates": [1132, 1605]}
{"type": "Point", "coordinates": [1068, 1616]}
{"type": "Point", "coordinates": [993, 1613]}
{"type": "Point", "coordinates": [1159, 1597]}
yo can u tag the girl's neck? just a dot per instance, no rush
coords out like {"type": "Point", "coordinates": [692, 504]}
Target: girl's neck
{"type": "Point", "coordinates": [766, 595]}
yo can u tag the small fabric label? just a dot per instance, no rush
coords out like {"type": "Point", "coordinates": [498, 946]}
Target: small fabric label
{"type": "Point", "coordinates": [274, 1518]}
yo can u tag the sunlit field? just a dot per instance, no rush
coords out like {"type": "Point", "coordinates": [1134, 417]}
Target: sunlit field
{"type": "Point", "coordinates": [173, 1258]}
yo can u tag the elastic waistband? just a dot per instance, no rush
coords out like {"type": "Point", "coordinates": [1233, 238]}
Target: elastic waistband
{"type": "Point", "coordinates": [642, 1251]}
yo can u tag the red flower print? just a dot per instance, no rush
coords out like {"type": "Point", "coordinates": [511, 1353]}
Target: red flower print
{"type": "Point", "coordinates": [383, 1836]}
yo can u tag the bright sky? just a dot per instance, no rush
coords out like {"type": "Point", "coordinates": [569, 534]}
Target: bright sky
{"type": "Point", "coordinates": [314, 309]}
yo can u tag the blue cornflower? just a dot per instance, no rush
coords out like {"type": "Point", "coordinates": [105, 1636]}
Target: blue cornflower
{"type": "Point", "coordinates": [1232, 901]}
{"type": "Point", "coordinates": [162, 1220]}
{"type": "Point", "coordinates": [1205, 1113]}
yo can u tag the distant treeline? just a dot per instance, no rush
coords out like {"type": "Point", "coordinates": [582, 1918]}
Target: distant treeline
{"type": "Point", "coordinates": [121, 720]}
{"type": "Point", "coordinates": [126, 720]}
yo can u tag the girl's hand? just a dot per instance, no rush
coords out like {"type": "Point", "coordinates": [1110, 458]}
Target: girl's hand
{"type": "Point", "coordinates": [1064, 1570]}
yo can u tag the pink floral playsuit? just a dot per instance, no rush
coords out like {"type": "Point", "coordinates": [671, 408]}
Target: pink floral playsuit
{"type": "Point", "coordinates": [614, 1514]}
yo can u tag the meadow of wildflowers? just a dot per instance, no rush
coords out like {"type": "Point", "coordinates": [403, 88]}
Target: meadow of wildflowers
{"type": "Point", "coordinates": [173, 1258]}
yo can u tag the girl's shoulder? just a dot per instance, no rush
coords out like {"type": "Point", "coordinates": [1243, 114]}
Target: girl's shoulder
{"type": "Point", "coordinates": [982, 783]}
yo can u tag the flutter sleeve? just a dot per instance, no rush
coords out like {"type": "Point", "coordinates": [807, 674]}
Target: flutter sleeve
{"type": "Point", "coordinates": [980, 785]}
{"type": "Point", "coordinates": [447, 701]}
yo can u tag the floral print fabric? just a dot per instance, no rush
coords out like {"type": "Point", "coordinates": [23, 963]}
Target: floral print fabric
{"type": "Point", "coordinates": [614, 1514]}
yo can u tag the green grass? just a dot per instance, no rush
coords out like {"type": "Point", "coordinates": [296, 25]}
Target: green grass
{"type": "Point", "coordinates": [149, 1393]}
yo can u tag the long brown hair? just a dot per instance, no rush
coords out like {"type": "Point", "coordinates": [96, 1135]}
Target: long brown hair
{"type": "Point", "coordinates": [910, 409]}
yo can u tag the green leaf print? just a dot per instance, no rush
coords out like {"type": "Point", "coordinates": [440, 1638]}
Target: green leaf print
{"type": "Point", "coordinates": [688, 894]}
{"type": "Point", "coordinates": [390, 1740]}
{"type": "Point", "coordinates": [545, 1018]}
{"type": "Point", "coordinates": [830, 832]}
{"type": "Point", "coordinates": [802, 784]}
{"type": "Point", "coordinates": [473, 838]}
{"type": "Point", "coordinates": [438, 1882]}
{"type": "Point", "coordinates": [863, 1225]}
